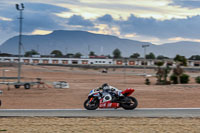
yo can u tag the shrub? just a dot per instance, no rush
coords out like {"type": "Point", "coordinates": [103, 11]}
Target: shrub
{"type": "Point", "coordinates": [174, 79]}
{"type": "Point", "coordinates": [159, 63]}
{"type": "Point", "coordinates": [147, 81]}
{"type": "Point", "coordinates": [184, 79]}
{"type": "Point", "coordinates": [197, 79]}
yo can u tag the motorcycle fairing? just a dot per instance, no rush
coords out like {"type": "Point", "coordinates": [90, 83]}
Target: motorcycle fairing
{"type": "Point", "coordinates": [94, 93]}
{"type": "Point", "coordinates": [128, 92]}
{"type": "Point", "coordinates": [108, 104]}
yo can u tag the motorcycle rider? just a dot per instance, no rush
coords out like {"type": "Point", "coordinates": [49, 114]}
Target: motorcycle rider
{"type": "Point", "coordinates": [111, 90]}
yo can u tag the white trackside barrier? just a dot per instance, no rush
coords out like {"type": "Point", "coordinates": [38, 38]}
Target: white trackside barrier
{"type": "Point", "coordinates": [61, 84]}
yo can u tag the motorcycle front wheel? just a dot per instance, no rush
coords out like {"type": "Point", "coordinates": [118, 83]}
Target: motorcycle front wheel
{"type": "Point", "coordinates": [91, 105]}
{"type": "Point", "coordinates": [131, 104]}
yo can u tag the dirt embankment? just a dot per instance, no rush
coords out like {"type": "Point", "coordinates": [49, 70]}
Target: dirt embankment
{"type": "Point", "coordinates": [99, 125]}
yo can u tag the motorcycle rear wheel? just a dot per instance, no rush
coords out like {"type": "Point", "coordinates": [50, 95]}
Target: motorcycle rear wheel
{"type": "Point", "coordinates": [131, 105]}
{"type": "Point", "coordinates": [91, 106]}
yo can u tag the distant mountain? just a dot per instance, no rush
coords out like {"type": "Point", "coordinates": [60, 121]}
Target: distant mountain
{"type": "Point", "coordinates": [185, 48]}
{"type": "Point", "coordinates": [81, 41]}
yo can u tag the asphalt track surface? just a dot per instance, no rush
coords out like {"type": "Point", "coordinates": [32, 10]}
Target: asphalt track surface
{"type": "Point", "coordinates": [140, 112]}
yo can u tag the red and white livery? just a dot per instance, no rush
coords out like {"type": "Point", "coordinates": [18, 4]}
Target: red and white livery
{"type": "Point", "coordinates": [98, 99]}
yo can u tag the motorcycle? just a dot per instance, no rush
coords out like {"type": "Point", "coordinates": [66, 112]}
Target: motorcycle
{"type": "Point", "coordinates": [99, 99]}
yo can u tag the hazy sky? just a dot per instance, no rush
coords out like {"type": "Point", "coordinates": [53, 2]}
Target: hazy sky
{"type": "Point", "coordinates": [156, 21]}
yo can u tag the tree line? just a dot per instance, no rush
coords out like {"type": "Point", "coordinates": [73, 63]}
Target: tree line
{"type": "Point", "coordinates": [115, 54]}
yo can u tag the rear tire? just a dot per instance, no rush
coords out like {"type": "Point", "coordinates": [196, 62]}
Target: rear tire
{"type": "Point", "coordinates": [93, 105]}
{"type": "Point", "coordinates": [131, 105]}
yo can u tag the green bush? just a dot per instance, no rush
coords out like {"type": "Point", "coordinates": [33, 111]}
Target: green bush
{"type": "Point", "coordinates": [197, 79]}
{"type": "Point", "coordinates": [147, 81]}
{"type": "Point", "coordinates": [184, 79]}
{"type": "Point", "coordinates": [174, 79]}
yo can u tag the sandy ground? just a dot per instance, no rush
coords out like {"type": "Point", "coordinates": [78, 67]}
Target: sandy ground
{"type": "Point", "coordinates": [81, 81]}
{"type": "Point", "coordinates": [103, 125]}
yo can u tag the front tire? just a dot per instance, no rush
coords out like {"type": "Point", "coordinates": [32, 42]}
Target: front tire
{"type": "Point", "coordinates": [132, 104]}
{"type": "Point", "coordinates": [93, 105]}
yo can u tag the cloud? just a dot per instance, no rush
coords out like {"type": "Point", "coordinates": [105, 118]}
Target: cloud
{"type": "Point", "coordinates": [176, 39]}
{"type": "Point", "coordinates": [186, 28]}
{"type": "Point", "coordinates": [41, 16]}
{"type": "Point", "coordinates": [31, 22]}
{"type": "Point", "coordinates": [36, 16]}
{"type": "Point", "coordinates": [79, 21]}
{"type": "Point", "coordinates": [187, 3]}
{"type": "Point", "coordinates": [136, 19]}
{"type": "Point", "coordinates": [106, 18]}
{"type": "Point", "coordinates": [41, 21]}
{"type": "Point", "coordinates": [5, 19]}
{"type": "Point", "coordinates": [41, 32]}
{"type": "Point", "coordinates": [9, 10]}
{"type": "Point", "coordinates": [40, 7]}
{"type": "Point", "coordinates": [106, 29]}
{"type": "Point", "coordinates": [158, 9]}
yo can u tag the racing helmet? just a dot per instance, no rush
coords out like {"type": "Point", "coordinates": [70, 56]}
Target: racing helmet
{"type": "Point", "coordinates": [105, 85]}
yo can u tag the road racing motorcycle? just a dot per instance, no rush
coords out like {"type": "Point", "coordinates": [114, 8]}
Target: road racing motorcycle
{"type": "Point", "coordinates": [99, 99]}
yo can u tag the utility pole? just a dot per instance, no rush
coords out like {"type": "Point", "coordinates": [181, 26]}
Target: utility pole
{"type": "Point", "coordinates": [145, 46]}
{"type": "Point", "coordinates": [20, 8]}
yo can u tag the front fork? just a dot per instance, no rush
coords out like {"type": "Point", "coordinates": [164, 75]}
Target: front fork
{"type": "Point", "coordinates": [91, 98]}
